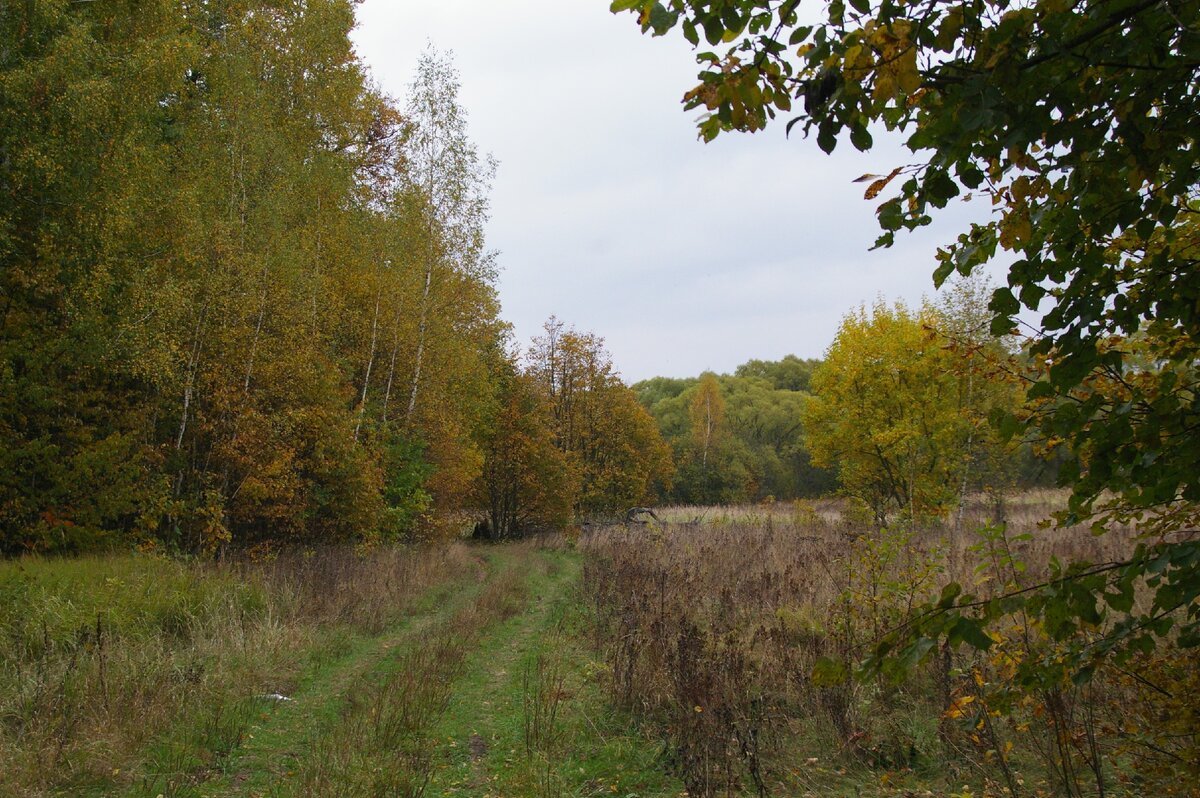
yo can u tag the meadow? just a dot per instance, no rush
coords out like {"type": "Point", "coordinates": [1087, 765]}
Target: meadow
{"type": "Point", "coordinates": [719, 625]}
{"type": "Point", "coordinates": [687, 656]}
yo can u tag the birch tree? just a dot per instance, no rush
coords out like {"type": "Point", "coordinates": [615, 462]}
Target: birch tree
{"type": "Point", "coordinates": [450, 181]}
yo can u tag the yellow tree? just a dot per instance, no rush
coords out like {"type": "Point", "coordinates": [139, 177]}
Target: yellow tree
{"type": "Point", "coordinates": [890, 413]}
{"type": "Point", "coordinates": [598, 421]}
{"type": "Point", "coordinates": [707, 414]}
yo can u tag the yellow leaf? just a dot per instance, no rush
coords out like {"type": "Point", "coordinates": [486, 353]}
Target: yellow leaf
{"type": "Point", "coordinates": [880, 184]}
{"type": "Point", "coordinates": [885, 87]}
{"type": "Point", "coordinates": [907, 76]}
{"type": "Point", "coordinates": [958, 706]}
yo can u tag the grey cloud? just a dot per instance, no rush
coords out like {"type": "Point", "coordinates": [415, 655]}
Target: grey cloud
{"type": "Point", "coordinates": [607, 211]}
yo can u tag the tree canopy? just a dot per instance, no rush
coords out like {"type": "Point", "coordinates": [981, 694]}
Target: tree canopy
{"type": "Point", "coordinates": [244, 296]}
{"type": "Point", "coordinates": [608, 437]}
{"type": "Point", "coordinates": [737, 437]}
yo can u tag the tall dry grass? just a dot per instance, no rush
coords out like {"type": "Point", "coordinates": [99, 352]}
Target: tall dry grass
{"type": "Point", "coordinates": [723, 627]}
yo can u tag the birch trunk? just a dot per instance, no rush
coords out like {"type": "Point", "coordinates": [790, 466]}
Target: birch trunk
{"type": "Point", "coordinates": [362, 402]}
{"type": "Point", "coordinates": [192, 367]}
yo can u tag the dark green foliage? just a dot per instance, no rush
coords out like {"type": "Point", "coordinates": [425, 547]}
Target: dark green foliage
{"type": "Point", "coordinates": [406, 471]}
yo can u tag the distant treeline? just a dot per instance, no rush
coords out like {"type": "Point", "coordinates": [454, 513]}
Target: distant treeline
{"type": "Point", "coordinates": [899, 414]}
{"type": "Point", "coordinates": [738, 437]}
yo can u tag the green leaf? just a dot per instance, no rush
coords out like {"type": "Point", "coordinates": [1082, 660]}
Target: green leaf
{"type": "Point", "coordinates": [690, 33]}
{"type": "Point", "coordinates": [799, 35]}
{"type": "Point", "coordinates": [826, 138]}
{"type": "Point", "coordinates": [971, 633]}
{"type": "Point", "coordinates": [662, 20]}
{"type": "Point", "coordinates": [891, 216]}
{"type": "Point", "coordinates": [829, 672]}
{"type": "Point", "coordinates": [1067, 372]}
{"type": "Point", "coordinates": [949, 593]}
{"type": "Point", "coordinates": [916, 652]}
{"type": "Point", "coordinates": [714, 31]}
{"type": "Point", "coordinates": [860, 137]}
{"type": "Point", "coordinates": [944, 269]}
{"type": "Point", "coordinates": [1004, 302]}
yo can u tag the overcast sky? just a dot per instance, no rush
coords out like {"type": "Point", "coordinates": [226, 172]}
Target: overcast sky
{"type": "Point", "coordinates": [608, 212]}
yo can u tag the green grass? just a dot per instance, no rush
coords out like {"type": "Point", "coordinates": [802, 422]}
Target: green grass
{"type": "Point", "coordinates": [268, 747]}
{"type": "Point", "coordinates": [477, 681]}
{"type": "Point", "coordinates": [138, 675]}
{"type": "Point", "coordinates": [485, 745]}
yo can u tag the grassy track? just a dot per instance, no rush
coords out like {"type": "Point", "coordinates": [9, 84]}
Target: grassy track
{"type": "Point", "coordinates": [285, 732]}
{"type": "Point", "coordinates": [485, 690]}
{"type": "Point", "coordinates": [529, 717]}
{"type": "Point", "coordinates": [482, 685]}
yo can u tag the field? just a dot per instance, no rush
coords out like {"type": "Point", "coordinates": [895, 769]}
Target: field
{"type": "Point", "coordinates": [666, 659]}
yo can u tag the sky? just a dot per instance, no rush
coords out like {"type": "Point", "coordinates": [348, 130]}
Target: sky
{"type": "Point", "coordinates": [610, 214]}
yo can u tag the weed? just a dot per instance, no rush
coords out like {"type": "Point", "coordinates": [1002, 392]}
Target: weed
{"type": "Point", "coordinates": [730, 633]}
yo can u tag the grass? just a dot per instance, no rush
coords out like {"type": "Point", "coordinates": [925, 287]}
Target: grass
{"type": "Point", "coordinates": [712, 626]}
{"type": "Point", "coordinates": [530, 717]}
{"type": "Point", "coordinates": [642, 662]}
{"type": "Point", "coordinates": [474, 679]}
{"type": "Point", "coordinates": [134, 670]}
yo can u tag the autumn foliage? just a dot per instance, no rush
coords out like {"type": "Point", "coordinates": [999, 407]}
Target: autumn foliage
{"type": "Point", "coordinates": [570, 439]}
{"type": "Point", "coordinates": [245, 296]}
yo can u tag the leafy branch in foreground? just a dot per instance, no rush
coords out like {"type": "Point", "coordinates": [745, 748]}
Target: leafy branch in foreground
{"type": "Point", "coordinates": [1076, 598]}
{"type": "Point", "coordinates": [1077, 122]}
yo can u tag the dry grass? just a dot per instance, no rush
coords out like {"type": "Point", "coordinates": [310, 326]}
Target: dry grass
{"type": "Point", "coordinates": [713, 623]}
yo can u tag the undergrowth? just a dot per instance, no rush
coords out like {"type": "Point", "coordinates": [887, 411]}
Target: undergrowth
{"type": "Point", "coordinates": [732, 632]}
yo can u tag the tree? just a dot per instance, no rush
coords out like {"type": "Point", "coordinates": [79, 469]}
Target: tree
{"type": "Point", "coordinates": [1077, 121]}
{"type": "Point", "coordinates": [449, 184]}
{"type": "Point", "coordinates": [768, 420]}
{"type": "Point", "coordinates": [759, 438]}
{"type": "Point", "coordinates": [789, 374]}
{"type": "Point", "coordinates": [528, 483]}
{"type": "Point", "coordinates": [598, 422]}
{"type": "Point", "coordinates": [218, 264]}
{"type": "Point", "coordinates": [987, 371]}
{"type": "Point", "coordinates": [707, 413]}
{"type": "Point", "coordinates": [892, 413]}
{"type": "Point", "coordinates": [79, 268]}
